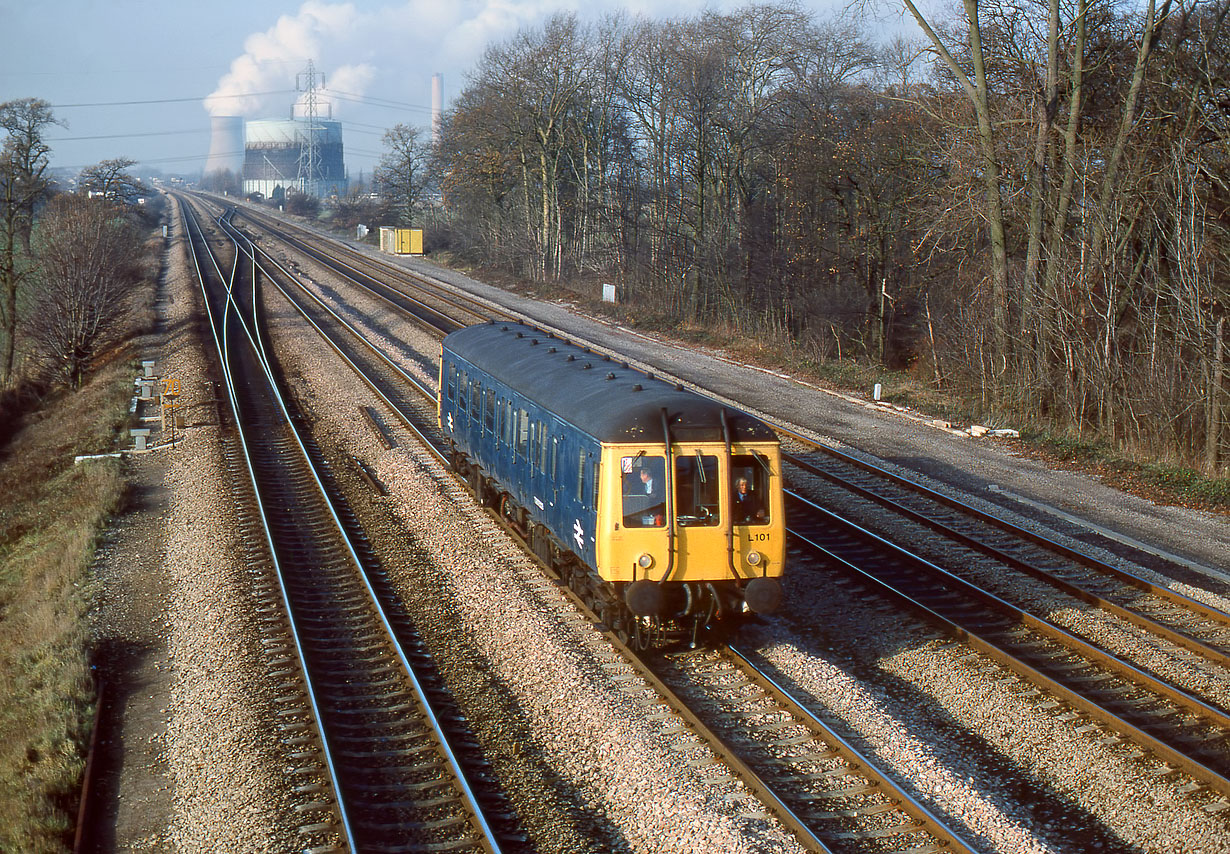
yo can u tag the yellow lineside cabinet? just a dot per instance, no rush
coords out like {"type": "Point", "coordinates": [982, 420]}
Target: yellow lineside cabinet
{"type": "Point", "coordinates": [401, 241]}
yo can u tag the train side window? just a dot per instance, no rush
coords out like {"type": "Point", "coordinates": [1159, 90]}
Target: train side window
{"type": "Point", "coordinates": [593, 479]}
{"type": "Point", "coordinates": [523, 431]}
{"type": "Point", "coordinates": [508, 423]}
{"type": "Point", "coordinates": [749, 490]}
{"type": "Point", "coordinates": [697, 490]}
{"type": "Point", "coordinates": [489, 411]}
{"type": "Point", "coordinates": [476, 393]}
{"type": "Point", "coordinates": [463, 393]}
{"type": "Point", "coordinates": [643, 487]}
{"type": "Point", "coordinates": [542, 446]}
{"type": "Point", "coordinates": [581, 478]}
{"type": "Point", "coordinates": [499, 421]}
{"type": "Point", "coordinates": [450, 383]}
{"type": "Point", "coordinates": [554, 458]}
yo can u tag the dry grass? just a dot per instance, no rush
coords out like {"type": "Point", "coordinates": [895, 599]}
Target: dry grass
{"type": "Point", "coordinates": [49, 521]}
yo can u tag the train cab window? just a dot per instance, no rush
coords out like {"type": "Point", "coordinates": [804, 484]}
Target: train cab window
{"type": "Point", "coordinates": [749, 490]}
{"type": "Point", "coordinates": [697, 490]}
{"type": "Point", "coordinates": [489, 411]}
{"type": "Point", "coordinates": [643, 487]}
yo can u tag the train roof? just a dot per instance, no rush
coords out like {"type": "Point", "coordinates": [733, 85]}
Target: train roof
{"type": "Point", "coordinates": [605, 398]}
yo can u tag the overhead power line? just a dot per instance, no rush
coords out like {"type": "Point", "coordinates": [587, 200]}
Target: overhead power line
{"type": "Point", "coordinates": [169, 100]}
{"type": "Point", "coordinates": [378, 102]}
{"type": "Point", "coordinates": [128, 135]}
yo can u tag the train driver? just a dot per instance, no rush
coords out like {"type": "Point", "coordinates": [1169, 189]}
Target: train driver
{"type": "Point", "coordinates": [643, 493]}
{"type": "Point", "coordinates": [746, 504]}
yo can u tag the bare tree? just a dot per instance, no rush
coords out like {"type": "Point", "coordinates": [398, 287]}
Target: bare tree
{"type": "Point", "coordinates": [973, 81]}
{"type": "Point", "coordinates": [23, 183]}
{"type": "Point", "coordinates": [403, 175]}
{"type": "Point", "coordinates": [112, 180]}
{"type": "Point", "coordinates": [88, 255]}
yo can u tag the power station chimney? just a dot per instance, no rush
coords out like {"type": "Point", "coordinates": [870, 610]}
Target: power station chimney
{"type": "Point", "coordinates": [437, 105]}
{"type": "Point", "coordinates": [225, 145]}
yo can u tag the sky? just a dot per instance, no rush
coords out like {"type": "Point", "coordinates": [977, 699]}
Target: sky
{"type": "Point", "coordinates": [137, 78]}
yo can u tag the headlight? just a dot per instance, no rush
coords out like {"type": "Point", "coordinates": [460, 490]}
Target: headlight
{"type": "Point", "coordinates": [645, 561]}
{"type": "Point", "coordinates": [753, 558]}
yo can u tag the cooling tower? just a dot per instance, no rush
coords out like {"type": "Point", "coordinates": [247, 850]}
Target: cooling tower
{"type": "Point", "coordinates": [289, 154]}
{"type": "Point", "coordinates": [437, 105]}
{"type": "Point", "coordinates": [225, 145]}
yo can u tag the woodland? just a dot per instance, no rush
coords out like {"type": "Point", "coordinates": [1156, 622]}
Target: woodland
{"type": "Point", "coordinates": [1025, 205]}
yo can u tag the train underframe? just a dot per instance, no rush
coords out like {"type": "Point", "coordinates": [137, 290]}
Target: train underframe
{"type": "Point", "coordinates": [689, 613]}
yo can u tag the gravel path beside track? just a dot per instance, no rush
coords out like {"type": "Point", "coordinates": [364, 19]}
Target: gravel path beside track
{"type": "Point", "coordinates": [203, 771]}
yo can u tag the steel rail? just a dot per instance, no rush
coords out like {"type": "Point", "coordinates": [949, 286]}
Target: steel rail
{"type": "Point", "coordinates": [402, 416]}
{"type": "Point", "coordinates": [1045, 542]}
{"type": "Point", "coordinates": [1189, 764]}
{"type": "Point", "coordinates": [343, 267]}
{"type": "Point", "coordinates": [753, 780]}
{"type": "Point", "coordinates": [1143, 621]}
{"type": "Point", "coordinates": [905, 801]}
{"type": "Point", "coordinates": [409, 670]}
{"type": "Point", "coordinates": [310, 689]}
{"type": "Point", "coordinates": [483, 308]}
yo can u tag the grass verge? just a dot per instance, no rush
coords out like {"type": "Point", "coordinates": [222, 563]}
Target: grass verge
{"type": "Point", "coordinates": [1162, 482]}
{"type": "Point", "coordinates": [49, 524]}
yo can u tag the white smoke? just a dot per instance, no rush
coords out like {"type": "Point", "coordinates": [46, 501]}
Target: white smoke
{"type": "Point", "coordinates": [392, 50]}
{"type": "Point", "coordinates": [270, 68]}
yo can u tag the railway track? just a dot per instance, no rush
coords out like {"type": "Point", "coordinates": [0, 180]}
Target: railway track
{"type": "Point", "coordinates": [362, 715]}
{"type": "Point", "coordinates": [1171, 616]}
{"type": "Point", "coordinates": [868, 814]}
{"type": "Point", "coordinates": [1182, 731]}
{"type": "Point", "coordinates": [1172, 724]}
{"type": "Point", "coordinates": [420, 297]}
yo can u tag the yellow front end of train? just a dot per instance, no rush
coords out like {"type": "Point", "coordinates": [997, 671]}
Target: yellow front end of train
{"type": "Point", "coordinates": [704, 522]}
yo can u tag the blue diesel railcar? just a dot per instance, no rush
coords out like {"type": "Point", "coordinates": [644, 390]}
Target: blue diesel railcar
{"type": "Point", "coordinates": [661, 508]}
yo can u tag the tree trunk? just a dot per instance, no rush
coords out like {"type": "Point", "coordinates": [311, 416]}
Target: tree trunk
{"type": "Point", "coordinates": [1039, 190]}
{"type": "Point", "coordinates": [1213, 411]}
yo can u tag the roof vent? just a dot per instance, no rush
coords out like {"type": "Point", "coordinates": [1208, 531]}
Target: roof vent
{"type": "Point", "coordinates": [678, 386]}
{"type": "Point", "coordinates": [571, 358]}
{"type": "Point", "coordinates": [586, 366]}
{"type": "Point", "coordinates": [533, 342]}
{"type": "Point", "coordinates": [520, 334]}
{"type": "Point", "coordinates": [637, 387]}
{"type": "Point", "coordinates": [503, 328]}
{"type": "Point", "coordinates": [605, 357]}
{"type": "Point", "coordinates": [610, 376]}
{"type": "Point", "coordinates": [550, 349]}
{"type": "Point", "coordinates": [651, 376]}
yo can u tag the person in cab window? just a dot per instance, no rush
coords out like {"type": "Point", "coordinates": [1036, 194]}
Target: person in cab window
{"type": "Point", "coordinates": [651, 486]}
{"type": "Point", "coordinates": [746, 505]}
